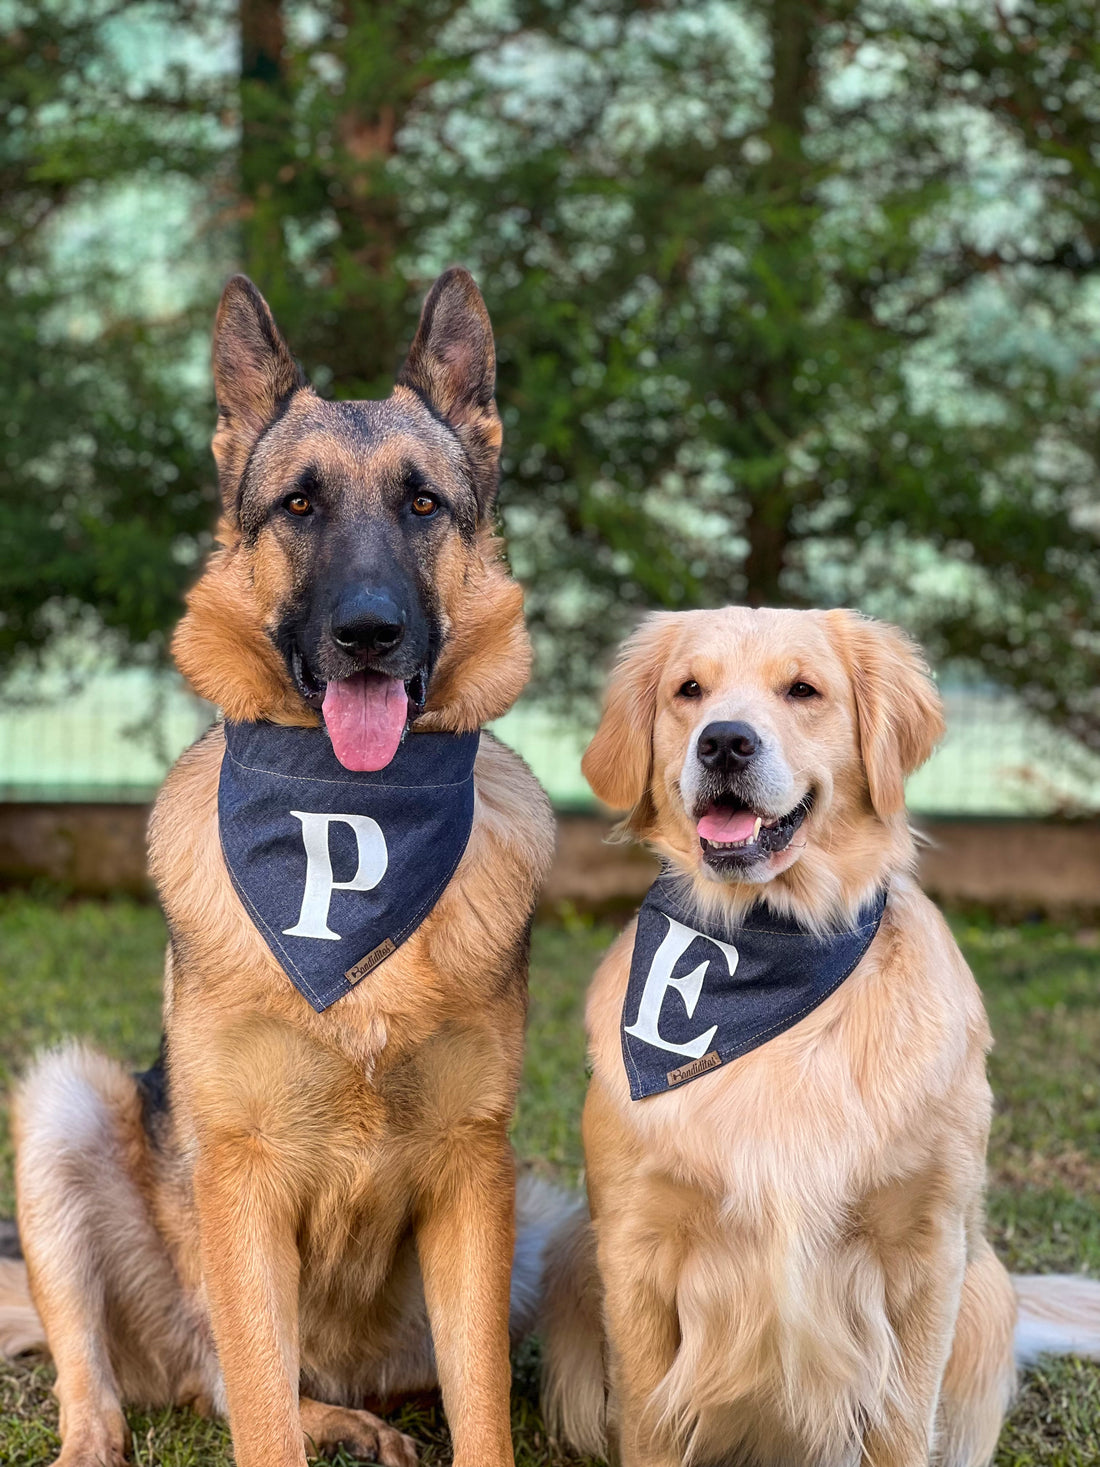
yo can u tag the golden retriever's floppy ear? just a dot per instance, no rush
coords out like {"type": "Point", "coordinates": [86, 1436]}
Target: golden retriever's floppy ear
{"type": "Point", "coordinates": [898, 707]}
{"type": "Point", "coordinates": [617, 763]}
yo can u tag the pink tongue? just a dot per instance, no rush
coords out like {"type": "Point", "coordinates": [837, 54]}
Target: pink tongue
{"type": "Point", "coordinates": [365, 716]}
{"type": "Point", "coordinates": [726, 825]}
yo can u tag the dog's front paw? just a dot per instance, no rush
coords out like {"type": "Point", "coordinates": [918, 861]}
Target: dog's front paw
{"type": "Point", "coordinates": [360, 1433]}
{"type": "Point", "coordinates": [101, 1443]}
{"type": "Point", "coordinates": [378, 1442]}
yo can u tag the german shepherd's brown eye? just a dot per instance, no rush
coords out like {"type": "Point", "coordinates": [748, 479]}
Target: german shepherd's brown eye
{"type": "Point", "coordinates": [802, 690]}
{"type": "Point", "coordinates": [690, 689]}
{"type": "Point", "coordinates": [298, 504]}
{"type": "Point", "coordinates": [424, 504]}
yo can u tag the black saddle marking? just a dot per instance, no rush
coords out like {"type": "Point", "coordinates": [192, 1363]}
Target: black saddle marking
{"type": "Point", "coordinates": [152, 1085]}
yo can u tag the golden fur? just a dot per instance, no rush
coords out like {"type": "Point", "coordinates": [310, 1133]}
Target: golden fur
{"type": "Point", "coordinates": [323, 1184]}
{"type": "Point", "coordinates": [791, 1260]}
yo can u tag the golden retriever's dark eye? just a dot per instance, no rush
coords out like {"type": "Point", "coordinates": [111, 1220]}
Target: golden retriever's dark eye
{"type": "Point", "coordinates": [690, 689]}
{"type": "Point", "coordinates": [298, 504]}
{"type": "Point", "coordinates": [802, 690]}
{"type": "Point", "coordinates": [424, 504]}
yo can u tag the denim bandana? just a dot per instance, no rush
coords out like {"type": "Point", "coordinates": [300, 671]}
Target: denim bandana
{"type": "Point", "coordinates": [694, 1001]}
{"type": "Point", "coordinates": [338, 868]}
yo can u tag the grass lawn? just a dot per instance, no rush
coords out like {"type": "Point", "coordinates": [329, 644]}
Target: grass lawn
{"type": "Point", "coordinates": [94, 969]}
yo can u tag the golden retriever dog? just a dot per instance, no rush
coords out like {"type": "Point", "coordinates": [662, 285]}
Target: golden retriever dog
{"type": "Point", "coordinates": [308, 1207]}
{"type": "Point", "coordinates": [789, 1258]}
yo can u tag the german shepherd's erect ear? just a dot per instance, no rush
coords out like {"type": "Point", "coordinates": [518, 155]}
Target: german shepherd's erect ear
{"type": "Point", "coordinates": [452, 366]}
{"type": "Point", "coordinates": [254, 377]}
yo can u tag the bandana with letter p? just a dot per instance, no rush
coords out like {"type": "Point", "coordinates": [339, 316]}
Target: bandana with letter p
{"type": "Point", "coordinates": [337, 868]}
{"type": "Point", "coordinates": [696, 1001]}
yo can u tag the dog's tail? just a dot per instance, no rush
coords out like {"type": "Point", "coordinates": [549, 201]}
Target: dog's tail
{"type": "Point", "coordinates": [574, 1397]}
{"type": "Point", "coordinates": [20, 1327]}
{"type": "Point", "coordinates": [1059, 1314]}
{"type": "Point", "coordinates": [541, 1211]}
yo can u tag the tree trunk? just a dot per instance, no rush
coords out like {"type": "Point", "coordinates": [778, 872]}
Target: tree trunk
{"type": "Point", "coordinates": [768, 533]}
{"type": "Point", "coordinates": [792, 25]}
{"type": "Point", "coordinates": [265, 130]}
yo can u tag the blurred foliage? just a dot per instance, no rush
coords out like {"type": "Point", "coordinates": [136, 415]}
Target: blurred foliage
{"type": "Point", "coordinates": [103, 473]}
{"type": "Point", "coordinates": [794, 303]}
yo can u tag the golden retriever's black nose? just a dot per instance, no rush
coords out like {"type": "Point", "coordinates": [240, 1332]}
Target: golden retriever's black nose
{"type": "Point", "coordinates": [367, 621]}
{"type": "Point", "coordinates": [725, 747]}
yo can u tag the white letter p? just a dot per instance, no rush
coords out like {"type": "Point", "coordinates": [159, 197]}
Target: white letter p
{"type": "Point", "coordinates": [373, 860]}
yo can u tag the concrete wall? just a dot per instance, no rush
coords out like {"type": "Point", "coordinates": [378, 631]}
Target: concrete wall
{"type": "Point", "coordinates": [1015, 866]}
{"type": "Point", "coordinates": [92, 849]}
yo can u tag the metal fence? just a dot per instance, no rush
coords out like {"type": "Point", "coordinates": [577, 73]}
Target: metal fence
{"type": "Point", "coordinates": [113, 736]}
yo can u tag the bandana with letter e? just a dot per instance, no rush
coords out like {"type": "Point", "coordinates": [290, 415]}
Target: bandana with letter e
{"type": "Point", "coordinates": [696, 1001]}
{"type": "Point", "coordinates": [337, 868]}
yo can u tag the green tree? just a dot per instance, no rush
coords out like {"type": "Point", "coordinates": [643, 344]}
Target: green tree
{"type": "Point", "coordinates": [769, 334]}
{"type": "Point", "coordinates": [795, 303]}
{"type": "Point", "coordinates": [327, 232]}
{"type": "Point", "coordinates": [104, 481]}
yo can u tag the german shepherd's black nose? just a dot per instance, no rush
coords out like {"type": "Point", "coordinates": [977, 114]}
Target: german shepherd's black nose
{"type": "Point", "coordinates": [367, 621]}
{"type": "Point", "coordinates": [725, 747]}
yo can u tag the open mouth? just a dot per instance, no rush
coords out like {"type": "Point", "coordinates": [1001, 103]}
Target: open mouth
{"type": "Point", "coordinates": [366, 713]}
{"type": "Point", "coordinates": [732, 834]}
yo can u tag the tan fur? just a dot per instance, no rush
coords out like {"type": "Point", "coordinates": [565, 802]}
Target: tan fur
{"type": "Point", "coordinates": [221, 649]}
{"type": "Point", "coordinates": [791, 1248]}
{"type": "Point", "coordinates": [324, 1185]}
{"type": "Point", "coordinates": [21, 1329]}
{"type": "Point", "coordinates": [488, 659]}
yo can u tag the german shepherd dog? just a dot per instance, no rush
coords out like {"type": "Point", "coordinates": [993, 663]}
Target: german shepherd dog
{"type": "Point", "coordinates": [298, 1214]}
